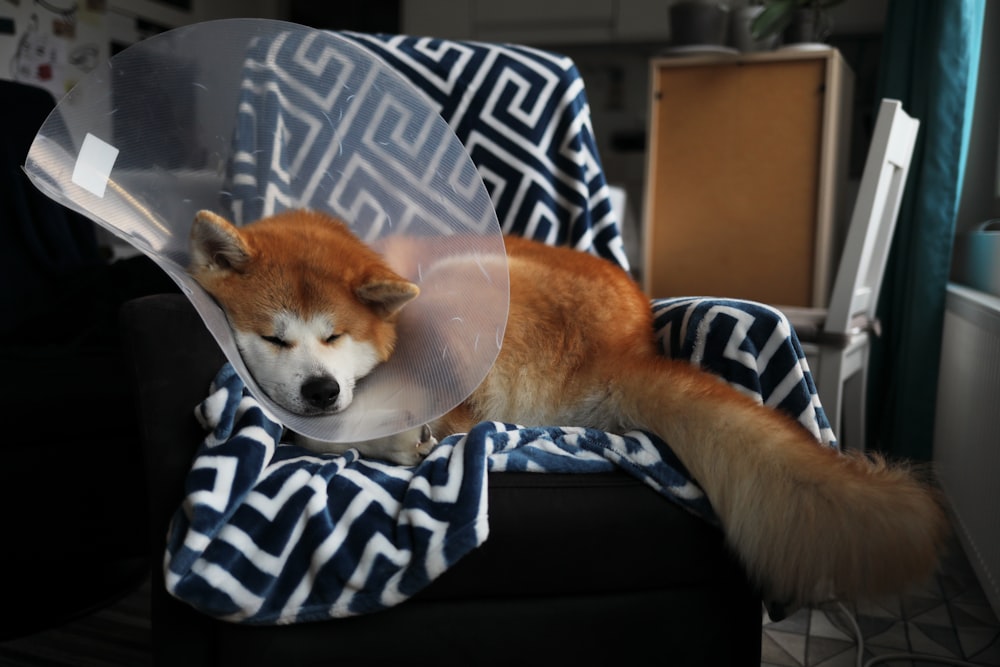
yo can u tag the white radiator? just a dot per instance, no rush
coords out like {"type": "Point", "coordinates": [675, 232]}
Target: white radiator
{"type": "Point", "coordinates": [967, 428]}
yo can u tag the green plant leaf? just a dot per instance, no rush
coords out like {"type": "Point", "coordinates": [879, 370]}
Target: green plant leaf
{"type": "Point", "coordinates": [773, 19]}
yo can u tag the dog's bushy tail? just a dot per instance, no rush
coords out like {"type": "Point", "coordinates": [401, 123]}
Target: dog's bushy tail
{"type": "Point", "coordinates": [808, 522]}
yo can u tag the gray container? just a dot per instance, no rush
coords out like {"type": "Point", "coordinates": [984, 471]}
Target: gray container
{"type": "Point", "coordinates": [977, 258]}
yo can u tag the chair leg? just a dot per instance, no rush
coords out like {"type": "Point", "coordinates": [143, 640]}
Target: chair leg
{"type": "Point", "coordinates": [855, 400]}
{"type": "Point", "coordinates": [830, 386]}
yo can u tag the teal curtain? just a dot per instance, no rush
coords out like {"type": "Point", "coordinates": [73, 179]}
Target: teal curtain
{"type": "Point", "coordinates": [930, 62]}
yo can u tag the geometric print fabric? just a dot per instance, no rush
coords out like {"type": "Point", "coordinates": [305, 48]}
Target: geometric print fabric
{"type": "Point", "coordinates": [523, 116]}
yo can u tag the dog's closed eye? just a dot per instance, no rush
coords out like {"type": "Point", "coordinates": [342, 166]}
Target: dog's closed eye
{"type": "Point", "coordinates": [332, 338]}
{"type": "Point", "coordinates": [276, 341]}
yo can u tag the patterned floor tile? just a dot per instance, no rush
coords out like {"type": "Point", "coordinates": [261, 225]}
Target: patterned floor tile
{"type": "Point", "coordinates": [948, 617]}
{"type": "Point", "coordinates": [773, 655]}
{"type": "Point", "coordinates": [884, 608]}
{"type": "Point", "coordinates": [939, 615]}
{"type": "Point", "coordinates": [797, 622]}
{"type": "Point", "coordinates": [874, 627]}
{"type": "Point", "coordinates": [826, 623]}
{"type": "Point", "coordinates": [917, 605]}
{"type": "Point", "coordinates": [934, 640]}
{"type": "Point", "coordinates": [793, 644]}
{"type": "Point", "coordinates": [845, 659]}
{"type": "Point", "coordinates": [988, 656]}
{"type": "Point", "coordinates": [978, 641]}
{"type": "Point", "coordinates": [892, 639]}
{"type": "Point", "coordinates": [974, 615]}
{"type": "Point", "coordinates": [822, 649]}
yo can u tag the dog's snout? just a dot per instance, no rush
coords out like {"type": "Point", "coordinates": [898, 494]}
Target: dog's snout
{"type": "Point", "coordinates": [320, 392]}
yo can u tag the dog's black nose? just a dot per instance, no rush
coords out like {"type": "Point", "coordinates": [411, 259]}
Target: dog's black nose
{"type": "Point", "coordinates": [320, 391]}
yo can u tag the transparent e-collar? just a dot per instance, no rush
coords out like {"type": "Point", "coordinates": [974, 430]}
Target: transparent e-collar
{"type": "Point", "coordinates": [249, 117]}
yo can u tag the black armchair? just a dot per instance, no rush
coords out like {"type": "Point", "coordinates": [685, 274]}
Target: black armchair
{"type": "Point", "coordinates": [673, 590]}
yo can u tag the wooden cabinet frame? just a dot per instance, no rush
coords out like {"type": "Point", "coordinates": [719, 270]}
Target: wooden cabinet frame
{"type": "Point", "coordinates": [746, 164]}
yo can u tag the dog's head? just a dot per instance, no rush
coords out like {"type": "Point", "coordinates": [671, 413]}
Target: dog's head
{"type": "Point", "coordinates": [313, 309]}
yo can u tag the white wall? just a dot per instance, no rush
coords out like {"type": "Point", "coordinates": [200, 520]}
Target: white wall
{"type": "Point", "coordinates": [122, 14]}
{"type": "Point", "coordinates": [52, 45]}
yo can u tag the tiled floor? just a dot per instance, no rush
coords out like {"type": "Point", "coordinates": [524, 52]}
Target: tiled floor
{"type": "Point", "coordinates": [949, 617]}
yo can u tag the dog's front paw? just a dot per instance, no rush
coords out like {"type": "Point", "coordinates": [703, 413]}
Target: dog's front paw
{"type": "Point", "coordinates": [407, 448]}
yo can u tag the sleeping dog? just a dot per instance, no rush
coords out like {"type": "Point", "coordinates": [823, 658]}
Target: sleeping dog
{"type": "Point", "coordinates": [314, 310]}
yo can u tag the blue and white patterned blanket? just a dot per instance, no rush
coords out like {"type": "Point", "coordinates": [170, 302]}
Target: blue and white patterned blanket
{"type": "Point", "coordinates": [272, 533]}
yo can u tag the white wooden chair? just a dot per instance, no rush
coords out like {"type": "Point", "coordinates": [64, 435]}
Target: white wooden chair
{"type": "Point", "coordinates": [836, 339]}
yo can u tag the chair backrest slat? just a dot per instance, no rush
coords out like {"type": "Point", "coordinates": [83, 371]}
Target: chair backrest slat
{"type": "Point", "coordinates": [876, 209]}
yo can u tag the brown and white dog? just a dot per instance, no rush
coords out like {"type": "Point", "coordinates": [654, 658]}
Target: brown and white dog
{"type": "Point", "coordinates": [314, 309]}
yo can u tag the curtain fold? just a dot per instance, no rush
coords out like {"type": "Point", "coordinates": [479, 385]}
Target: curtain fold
{"type": "Point", "coordinates": [930, 62]}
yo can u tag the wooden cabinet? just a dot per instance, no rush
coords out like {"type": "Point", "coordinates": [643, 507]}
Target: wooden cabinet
{"type": "Point", "coordinates": [746, 162]}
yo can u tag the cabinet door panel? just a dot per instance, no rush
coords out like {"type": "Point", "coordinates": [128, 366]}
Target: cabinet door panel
{"type": "Point", "coordinates": [733, 179]}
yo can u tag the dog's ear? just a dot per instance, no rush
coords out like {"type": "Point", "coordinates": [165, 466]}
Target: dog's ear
{"type": "Point", "coordinates": [387, 294]}
{"type": "Point", "coordinates": [216, 244]}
